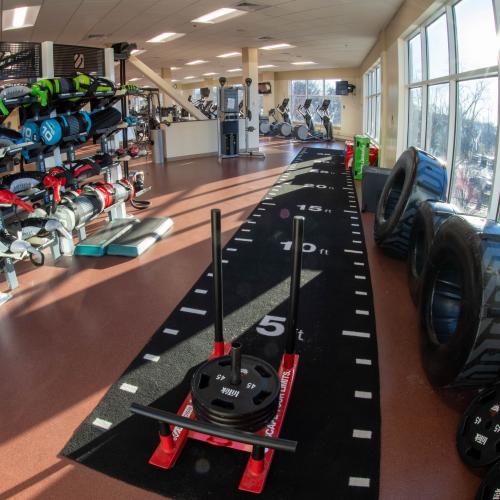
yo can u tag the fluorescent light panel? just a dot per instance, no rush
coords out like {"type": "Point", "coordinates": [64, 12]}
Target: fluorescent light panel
{"type": "Point", "coordinates": [210, 74]}
{"type": "Point", "coordinates": [229, 54]}
{"type": "Point", "coordinates": [173, 68]}
{"type": "Point", "coordinates": [20, 17]}
{"type": "Point", "coordinates": [233, 70]}
{"type": "Point", "coordinates": [303, 63]}
{"type": "Point", "coordinates": [189, 77]}
{"type": "Point", "coordinates": [277, 46]}
{"type": "Point", "coordinates": [194, 63]}
{"type": "Point", "coordinates": [266, 66]}
{"type": "Point", "coordinates": [164, 37]}
{"type": "Point", "coordinates": [137, 52]}
{"type": "Point", "coordinates": [219, 15]}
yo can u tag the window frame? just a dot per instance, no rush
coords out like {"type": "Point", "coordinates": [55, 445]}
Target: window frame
{"type": "Point", "coordinates": [371, 109]}
{"type": "Point", "coordinates": [453, 78]}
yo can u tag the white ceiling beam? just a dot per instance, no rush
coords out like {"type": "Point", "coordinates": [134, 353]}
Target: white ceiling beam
{"type": "Point", "coordinates": [167, 88]}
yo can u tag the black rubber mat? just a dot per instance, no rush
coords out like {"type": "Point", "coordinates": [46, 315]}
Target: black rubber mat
{"type": "Point", "coordinates": [334, 411]}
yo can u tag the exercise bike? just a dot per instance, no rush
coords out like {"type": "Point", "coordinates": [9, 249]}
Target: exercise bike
{"type": "Point", "coordinates": [326, 119]}
{"type": "Point", "coordinates": [307, 131]}
{"type": "Point", "coordinates": [285, 124]}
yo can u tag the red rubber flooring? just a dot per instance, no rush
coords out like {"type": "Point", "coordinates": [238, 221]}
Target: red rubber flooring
{"type": "Point", "coordinates": [73, 327]}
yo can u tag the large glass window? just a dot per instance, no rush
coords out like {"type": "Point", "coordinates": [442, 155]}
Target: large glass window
{"type": "Point", "coordinates": [372, 102]}
{"type": "Point", "coordinates": [475, 145]}
{"type": "Point", "coordinates": [415, 58]}
{"type": "Point", "coordinates": [317, 91]}
{"type": "Point", "coordinates": [437, 120]}
{"type": "Point", "coordinates": [452, 81]}
{"type": "Point", "coordinates": [437, 48]}
{"type": "Point", "coordinates": [477, 44]}
{"type": "Point", "coordinates": [415, 117]}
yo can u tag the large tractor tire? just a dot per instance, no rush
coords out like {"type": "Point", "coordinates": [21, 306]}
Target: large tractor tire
{"type": "Point", "coordinates": [430, 215]}
{"type": "Point", "coordinates": [460, 304]}
{"type": "Point", "coordinates": [416, 177]}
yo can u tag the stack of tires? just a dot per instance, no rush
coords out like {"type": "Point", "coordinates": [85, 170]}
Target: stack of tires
{"type": "Point", "coordinates": [453, 271]}
{"type": "Point", "coordinates": [454, 280]}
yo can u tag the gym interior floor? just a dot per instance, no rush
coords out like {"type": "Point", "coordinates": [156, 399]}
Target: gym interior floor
{"type": "Point", "coordinates": [73, 327]}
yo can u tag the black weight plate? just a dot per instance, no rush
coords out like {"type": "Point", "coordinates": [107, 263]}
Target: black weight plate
{"type": "Point", "coordinates": [490, 487]}
{"type": "Point", "coordinates": [245, 424]}
{"type": "Point", "coordinates": [253, 401]}
{"type": "Point", "coordinates": [478, 436]}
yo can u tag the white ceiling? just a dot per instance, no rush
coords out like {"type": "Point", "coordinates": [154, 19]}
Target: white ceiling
{"type": "Point", "coordinates": [333, 33]}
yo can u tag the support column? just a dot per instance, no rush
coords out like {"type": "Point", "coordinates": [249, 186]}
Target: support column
{"type": "Point", "coordinates": [166, 74]}
{"type": "Point", "coordinates": [250, 70]}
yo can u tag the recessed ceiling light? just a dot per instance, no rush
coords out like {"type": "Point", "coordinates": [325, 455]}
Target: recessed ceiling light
{"type": "Point", "coordinates": [266, 66]}
{"type": "Point", "coordinates": [219, 15]}
{"type": "Point", "coordinates": [137, 52]}
{"type": "Point", "coordinates": [173, 68]}
{"type": "Point", "coordinates": [194, 63]}
{"type": "Point", "coordinates": [173, 81]}
{"type": "Point", "coordinates": [277, 46]}
{"type": "Point", "coordinates": [164, 37]}
{"type": "Point", "coordinates": [233, 70]}
{"type": "Point", "coordinates": [210, 74]}
{"type": "Point", "coordinates": [134, 79]}
{"type": "Point", "coordinates": [189, 77]}
{"type": "Point", "coordinates": [303, 63]}
{"type": "Point", "coordinates": [20, 17]}
{"type": "Point", "coordinates": [230, 54]}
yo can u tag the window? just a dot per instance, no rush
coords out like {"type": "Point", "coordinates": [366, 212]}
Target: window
{"type": "Point", "coordinates": [317, 91]}
{"type": "Point", "coordinates": [452, 99]}
{"type": "Point", "coordinates": [372, 102]}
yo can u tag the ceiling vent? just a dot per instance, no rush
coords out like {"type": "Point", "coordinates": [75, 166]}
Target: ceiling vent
{"type": "Point", "coordinates": [97, 36]}
{"type": "Point", "coordinates": [264, 38]}
{"type": "Point", "coordinates": [250, 7]}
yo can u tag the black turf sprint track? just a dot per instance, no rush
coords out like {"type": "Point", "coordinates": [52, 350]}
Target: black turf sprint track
{"type": "Point", "coordinates": [323, 411]}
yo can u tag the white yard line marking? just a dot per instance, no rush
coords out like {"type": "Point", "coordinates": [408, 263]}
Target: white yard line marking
{"type": "Point", "coordinates": [170, 331]}
{"type": "Point", "coordinates": [231, 249]}
{"type": "Point", "coordinates": [361, 434]}
{"type": "Point", "coordinates": [354, 217]}
{"type": "Point", "coordinates": [362, 312]}
{"type": "Point", "coordinates": [270, 204]}
{"type": "Point", "coordinates": [243, 239]}
{"type": "Point", "coordinates": [353, 251]}
{"type": "Point", "coordinates": [210, 275]}
{"type": "Point", "coordinates": [359, 264]}
{"type": "Point", "coordinates": [201, 291]}
{"type": "Point", "coordinates": [363, 361]}
{"type": "Point", "coordinates": [151, 357]}
{"type": "Point", "coordinates": [192, 310]}
{"type": "Point", "coordinates": [363, 395]}
{"type": "Point", "coordinates": [359, 482]}
{"type": "Point", "coordinates": [262, 209]}
{"type": "Point", "coordinates": [354, 225]}
{"type": "Point", "coordinates": [350, 333]}
{"type": "Point", "coordinates": [359, 292]}
{"type": "Point", "coordinates": [350, 211]}
{"type": "Point", "coordinates": [251, 222]}
{"type": "Point", "coordinates": [256, 215]}
{"type": "Point", "coordinates": [359, 277]}
{"type": "Point", "coordinates": [355, 232]}
{"type": "Point", "coordinates": [225, 261]}
{"type": "Point", "coordinates": [246, 230]}
{"type": "Point", "coordinates": [103, 424]}
{"type": "Point", "coordinates": [129, 388]}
